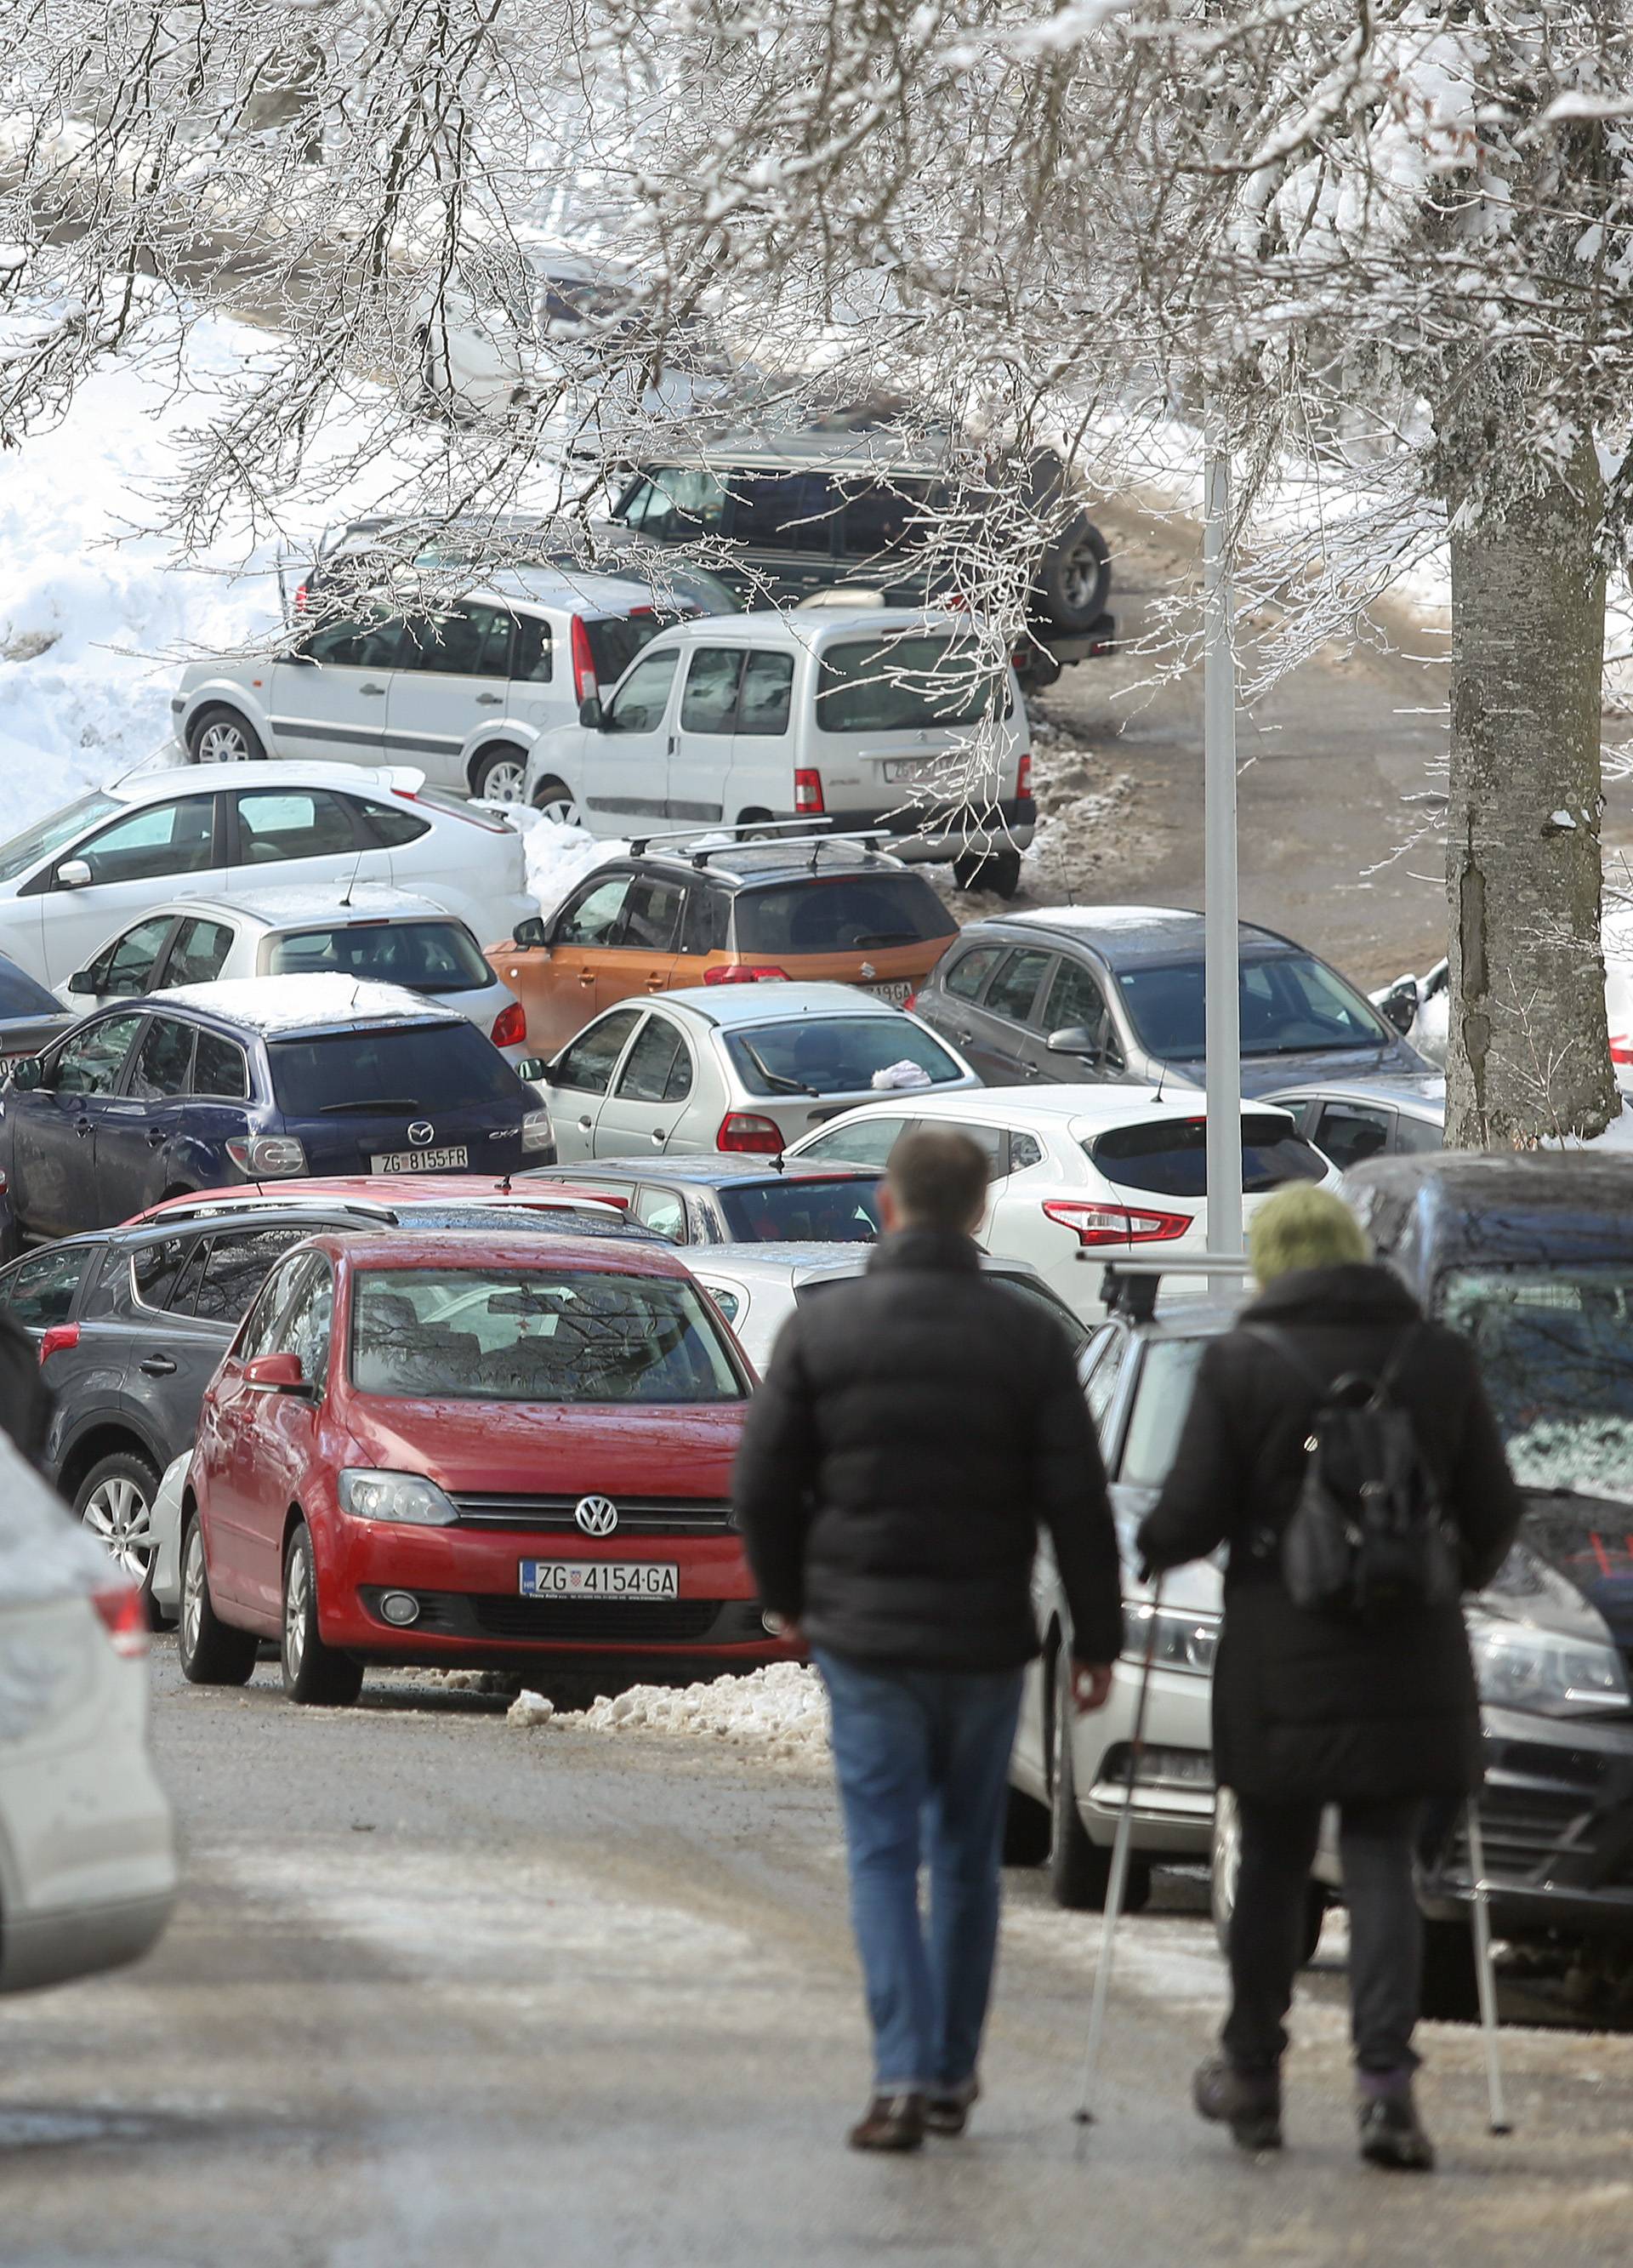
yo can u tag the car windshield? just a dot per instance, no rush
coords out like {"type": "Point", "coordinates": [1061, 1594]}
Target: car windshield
{"type": "Point", "coordinates": [21, 996]}
{"type": "Point", "coordinates": [1290, 1004]}
{"type": "Point", "coordinates": [907, 685]}
{"type": "Point", "coordinates": [1160, 1401]}
{"type": "Point", "coordinates": [841, 913]}
{"type": "Point", "coordinates": [1555, 1347]}
{"type": "Point", "coordinates": [47, 835]}
{"type": "Point", "coordinates": [426, 956]}
{"type": "Point", "coordinates": [536, 1335]}
{"type": "Point", "coordinates": [840, 1210]}
{"type": "Point", "coordinates": [838, 1054]}
{"type": "Point", "coordinates": [1169, 1157]}
{"type": "Point", "coordinates": [419, 1068]}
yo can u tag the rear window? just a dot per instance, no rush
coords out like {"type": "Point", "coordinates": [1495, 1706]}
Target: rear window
{"type": "Point", "coordinates": [840, 1210]}
{"type": "Point", "coordinates": [428, 956]}
{"type": "Point", "coordinates": [842, 913]}
{"type": "Point", "coordinates": [1169, 1158]}
{"type": "Point", "coordinates": [616, 640]}
{"type": "Point", "coordinates": [532, 1335]}
{"type": "Point", "coordinates": [417, 1068]}
{"type": "Point", "coordinates": [836, 1054]}
{"type": "Point", "coordinates": [21, 996]}
{"type": "Point", "coordinates": [907, 685]}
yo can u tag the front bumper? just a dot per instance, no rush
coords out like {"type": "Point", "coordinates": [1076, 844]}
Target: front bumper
{"type": "Point", "coordinates": [934, 834]}
{"type": "Point", "coordinates": [1173, 1787]}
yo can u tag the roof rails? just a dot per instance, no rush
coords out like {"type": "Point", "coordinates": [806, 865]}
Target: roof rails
{"type": "Point", "coordinates": [748, 829]}
{"type": "Point", "coordinates": [1129, 1287]}
{"type": "Point", "coordinates": [753, 830]}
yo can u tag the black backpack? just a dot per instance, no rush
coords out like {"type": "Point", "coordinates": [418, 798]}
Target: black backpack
{"type": "Point", "coordinates": [1369, 1534]}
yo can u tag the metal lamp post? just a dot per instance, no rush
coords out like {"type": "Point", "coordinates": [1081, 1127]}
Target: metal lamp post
{"type": "Point", "coordinates": [1222, 1036]}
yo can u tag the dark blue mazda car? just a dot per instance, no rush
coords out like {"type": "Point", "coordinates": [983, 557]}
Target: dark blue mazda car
{"type": "Point", "coordinates": [258, 1079]}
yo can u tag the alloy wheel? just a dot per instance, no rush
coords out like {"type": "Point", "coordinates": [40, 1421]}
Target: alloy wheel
{"type": "Point", "coordinates": [192, 1590]}
{"type": "Point", "coordinates": [1080, 572]}
{"type": "Point", "coordinates": [223, 744]}
{"type": "Point", "coordinates": [1227, 1864]}
{"type": "Point", "coordinates": [503, 781]}
{"type": "Point", "coordinates": [121, 1518]}
{"type": "Point", "coordinates": [297, 1601]}
{"type": "Point", "coordinates": [560, 811]}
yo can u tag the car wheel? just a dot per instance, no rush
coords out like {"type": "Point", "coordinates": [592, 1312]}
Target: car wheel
{"type": "Point", "coordinates": [115, 1502]}
{"type": "Point", "coordinates": [212, 1652]}
{"type": "Point", "coordinates": [1026, 1831]}
{"type": "Point", "coordinates": [1451, 1987]}
{"type": "Point", "coordinates": [497, 775]}
{"type": "Point", "coordinates": [312, 1672]}
{"type": "Point", "coordinates": [221, 736]}
{"type": "Point", "coordinates": [988, 870]}
{"type": "Point", "coordinates": [1079, 1869]}
{"type": "Point", "coordinates": [1075, 577]}
{"type": "Point", "coordinates": [555, 801]}
{"type": "Point", "coordinates": [1225, 1872]}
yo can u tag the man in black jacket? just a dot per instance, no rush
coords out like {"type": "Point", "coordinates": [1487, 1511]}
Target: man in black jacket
{"type": "Point", "coordinates": [915, 1431]}
{"type": "Point", "coordinates": [1374, 1714]}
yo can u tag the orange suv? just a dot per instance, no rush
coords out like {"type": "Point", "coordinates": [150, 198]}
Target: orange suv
{"type": "Point", "coordinates": [658, 919]}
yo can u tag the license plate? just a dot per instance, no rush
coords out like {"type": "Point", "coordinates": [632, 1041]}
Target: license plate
{"type": "Point", "coordinates": [897, 994]}
{"type": "Point", "coordinates": [419, 1162]}
{"type": "Point", "coordinates": [598, 1579]}
{"type": "Point", "coordinates": [920, 771]}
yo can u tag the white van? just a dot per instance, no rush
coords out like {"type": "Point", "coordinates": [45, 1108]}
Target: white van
{"type": "Point", "coordinates": [878, 718]}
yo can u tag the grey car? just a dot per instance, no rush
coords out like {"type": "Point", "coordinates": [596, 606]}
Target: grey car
{"type": "Point", "coordinates": [1116, 992]}
{"type": "Point", "coordinates": [1352, 1120]}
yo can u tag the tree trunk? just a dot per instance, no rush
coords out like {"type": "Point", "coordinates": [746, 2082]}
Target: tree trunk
{"type": "Point", "coordinates": [1528, 1055]}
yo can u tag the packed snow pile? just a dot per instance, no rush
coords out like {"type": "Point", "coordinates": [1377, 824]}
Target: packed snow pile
{"type": "Point", "coordinates": [557, 856]}
{"type": "Point", "coordinates": [780, 1711]}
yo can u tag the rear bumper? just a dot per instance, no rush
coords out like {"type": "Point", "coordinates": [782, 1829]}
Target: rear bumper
{"type": "Point", "coordinates": [48, 1948]}
{"type": "Point", "coordinates": [934, 834]}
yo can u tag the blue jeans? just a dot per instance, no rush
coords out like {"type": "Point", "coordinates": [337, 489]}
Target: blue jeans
{"type": "Point", "coordinates": [922, 1757]}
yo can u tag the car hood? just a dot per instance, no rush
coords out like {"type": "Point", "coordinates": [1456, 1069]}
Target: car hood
{"type": "Point", "coordinates": [1575, 1556]}
{"type": "Point", "coordinates": [532, 1448]}
{"type": "Point", "coordinates": [1261, 1074]}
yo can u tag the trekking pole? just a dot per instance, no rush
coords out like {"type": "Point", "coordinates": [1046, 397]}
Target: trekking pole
{"type": "Point", "coordinates": [1485, 1980]}
{"type": "Point", "coordinates": [1115, 1890]}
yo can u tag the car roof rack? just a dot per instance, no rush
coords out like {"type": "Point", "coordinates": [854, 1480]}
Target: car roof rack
{"type": "Point", "coordinates": [749, 831]}
{"type": "Point", "coordinates": [1129, 1287]}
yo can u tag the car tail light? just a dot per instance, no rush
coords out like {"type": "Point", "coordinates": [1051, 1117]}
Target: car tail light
{"type": "Point", "coordinates": [808, 792]}
{"type": "Point", "coordinates": [744, 972]}
{"type": "Point", "coordinates": [510, 1025]}
{"type": "Point", "coordinates": [58, 1339]}
{"type": "Point", "coordinates": [1110, 1224]}
{"type": "Point", "coordinates": [1621, 1047]}
{"type": "Point", "coordinates": [910, 1003]}
{"type": "Point", "coordinates": [746, 1129]}
{"type": "Point", "coordinates": [301, 600]}
{"type": "Point", "coordinates": [584, 687]}
{"type": "Point", "coordinates": [1023, 778]}
{"type": "Point", "coordinates": [124, 1618]}
{"type": "Point", "coordinates": [267, 1156]}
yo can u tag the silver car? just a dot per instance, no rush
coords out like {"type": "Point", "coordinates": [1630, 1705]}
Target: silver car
{"type": "Point", "coordinates": [746, 1068]}
{"type": "Point", "coordinates": [1350, 1120]}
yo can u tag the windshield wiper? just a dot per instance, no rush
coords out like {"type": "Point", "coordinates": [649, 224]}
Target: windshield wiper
{"type": "Point", "coordinates": [775, 1079]}
{"type": "Point", "coordinates": [390, 1102]}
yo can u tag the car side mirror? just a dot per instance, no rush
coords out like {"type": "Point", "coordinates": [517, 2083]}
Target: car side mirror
{"type": "Point", "coordinates": [528, 935]}
{"type": "Point", "coordinates": [82, 980]}
{"type": "Point", "coordinates": [534, 1069]}
{"type": "Point", "coordinates": [1399, 1006]}
{"type": "Point", "coordinates": [73, 875]}
{"type": "Point", "coordinates": [28, 1071]}
{"type": "Point", "coordinates": [274, 1373]}
{"type": "Point", "coordinates": [591, 715]}
{"type": "Point", "coordinates": [1076, 1039]}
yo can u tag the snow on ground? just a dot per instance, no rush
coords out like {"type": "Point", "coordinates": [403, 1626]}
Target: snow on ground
{"type": "Point", "coordinates": [780, 1711]}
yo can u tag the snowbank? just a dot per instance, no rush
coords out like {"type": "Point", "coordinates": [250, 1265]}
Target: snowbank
{"type": "Point", "coordinates": [780, 1711]}
{"type": "Point", "coordinates": [558, 857]}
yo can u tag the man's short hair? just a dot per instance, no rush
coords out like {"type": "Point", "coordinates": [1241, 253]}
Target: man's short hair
{"type": "Point", "coordinates": [938, 1178]}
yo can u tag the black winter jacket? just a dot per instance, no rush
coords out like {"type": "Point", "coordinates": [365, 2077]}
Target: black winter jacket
{"type": "Point", "coordinates": [1308, 1705]}
{"type": "Point", "coordinates": [915, 1429]}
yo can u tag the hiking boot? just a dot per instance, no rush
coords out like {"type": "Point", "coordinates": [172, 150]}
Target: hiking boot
{"type": "Point", "coordinates": [949, 2114]}
{"type": "Point", "coordinates": [891, 2122]}
{"type": "Point", "coordinates": [1391, 2132]}
{"type": "Point", "coordinates": [1249, 2102]}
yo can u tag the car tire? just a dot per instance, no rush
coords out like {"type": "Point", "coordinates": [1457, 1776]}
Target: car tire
{"type": "Point", "coordinates": [988, 870]}
{"type": "Point", "coordinates": [1074, 578]}
{"type": "Point", "coordinates": [212, 1652]}
{"type": "Point", "coordinates": [221, 736]}
{"type": "Point", "coordinates": [557, 803]}
{"type": "Point", "coordinates": [1224, 1870]}
{"type": "Point", "coordinates": [114, 1502]}
{"type": "Point", "coordinates": [1080, 1868]}
{"type": "Point", "coordinates": [1450, 1985]}
{"type": "Point", "coordinates": [312, 1672]}
{"type": "Point", "coordinates": [1026, 1831]}
{"type": "Point", "coordinates": [498, 774]}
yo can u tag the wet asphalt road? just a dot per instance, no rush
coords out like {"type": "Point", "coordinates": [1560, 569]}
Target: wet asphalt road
{"type": "Point", "coordinates": [441, 1990]}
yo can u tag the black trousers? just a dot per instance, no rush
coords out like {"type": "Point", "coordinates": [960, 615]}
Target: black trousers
{"type": "Point", "coordinates": [1267, 1930]}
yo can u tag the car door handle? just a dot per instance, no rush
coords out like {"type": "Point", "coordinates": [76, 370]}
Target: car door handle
{"type": "Point", "coordinates": [965, 1039]}
{"type": "Point", "coordinates": [372, 689]}
{"type": "Point", "coordinates": [660, 1134]}
{"type": "Point", "coordinates": [157, 1365]}
{"type": "Point", "coordinates": [585, 1125]}
{"type": "Point", "coordinates": [155, 1137]}
{"type": "Point", "coordinates": [489, 701]}
{"type": "Point", "coordinates": [586, 980]}
{"type": "Point", "coordinates": [82, 1127]}
{"type": "Point", "coordinates": [1029, 1071]}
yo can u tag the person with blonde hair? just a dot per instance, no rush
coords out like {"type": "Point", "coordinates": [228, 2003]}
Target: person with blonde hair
{"type": "Point", "coordinates": [1368, 1703]}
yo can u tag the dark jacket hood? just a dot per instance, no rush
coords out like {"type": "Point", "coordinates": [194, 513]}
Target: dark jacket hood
{"type": "Point", "coordinates": [925, 1248]}
{"type": "Point", "coordinates": [1355, 1291]}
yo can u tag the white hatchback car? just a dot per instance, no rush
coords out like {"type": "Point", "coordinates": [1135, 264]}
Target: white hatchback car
{"type": "Point", "coordinates": [880, 717]}
{"type": "Point", "coordinates": [87, 1845]}
{"type": "Point", "coordinates": [382, 935]}
{"type": "Point", "coordinates": [70, 881]}
{"type": "Point", "coordinates": [1081, 1174]}
{"type": "Point", "coordinates": [734, 1067]}
{"type": "Point", "coordinates": [464, 688]}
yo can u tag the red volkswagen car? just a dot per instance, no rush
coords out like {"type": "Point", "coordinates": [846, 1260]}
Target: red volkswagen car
{"type": "Point", "coordinates": [468, 1448]}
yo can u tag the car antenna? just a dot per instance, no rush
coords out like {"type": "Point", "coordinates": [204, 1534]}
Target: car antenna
{"type": "Point", "coordinates": [1162, 1073]}
{"type": "Point", "coordinates": [504, 1186]}
{"type": "Point", "coordinates": [352, 884]}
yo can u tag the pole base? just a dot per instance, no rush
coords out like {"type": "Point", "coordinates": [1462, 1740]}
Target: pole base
{"type": "Point", "coordinates": [1496, 2129]}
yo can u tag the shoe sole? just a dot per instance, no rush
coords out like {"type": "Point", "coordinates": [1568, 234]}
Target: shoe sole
{"type": "Point", "coordinates": [1256, 2133]}
{"type": "Point", "coordinates": [1396, 2159]}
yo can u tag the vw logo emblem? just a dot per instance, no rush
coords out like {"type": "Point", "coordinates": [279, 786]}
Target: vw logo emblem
{"type": "Point", "coordinates": [422, 1131]}
{"type": "Point", "coordinates": [597, 1516]}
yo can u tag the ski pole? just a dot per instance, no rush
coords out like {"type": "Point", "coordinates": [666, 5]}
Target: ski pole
{"type": "Point", "coordinates": [1485, 1980]}
{"type": "Point", "coordinates": [1116, 1888]}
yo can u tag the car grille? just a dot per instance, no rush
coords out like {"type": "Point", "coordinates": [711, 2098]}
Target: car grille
{"type": "Point", "coordinates": [637, 1515]}
{"type": "Point", "coordinates": [1526, 1836]}
{"type": "Point", "coordinates": [597, 1621]}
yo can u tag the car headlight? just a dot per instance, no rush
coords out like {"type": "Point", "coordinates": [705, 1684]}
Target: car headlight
{"type": "Point", "coordinates": [1187, 1642]}
{"type": "Point", "coordinates": [1518, 1668]}
{"type": "Point", "coordinates": [407, 1496]}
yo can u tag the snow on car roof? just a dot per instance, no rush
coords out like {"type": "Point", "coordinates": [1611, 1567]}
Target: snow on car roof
{"type": "Point", "coordinates": [773, 1002]}
{"type": "Point", "coordinates": [821, 626]}
{"type": "Point", "coordinates": [274, 1006]}
{"type": "Point", "coordinates": [1105, 1102]}
{"type": "Point", "coordinates": [150, 782]}
{"type": "Point", "coordinates": [316, 902]}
